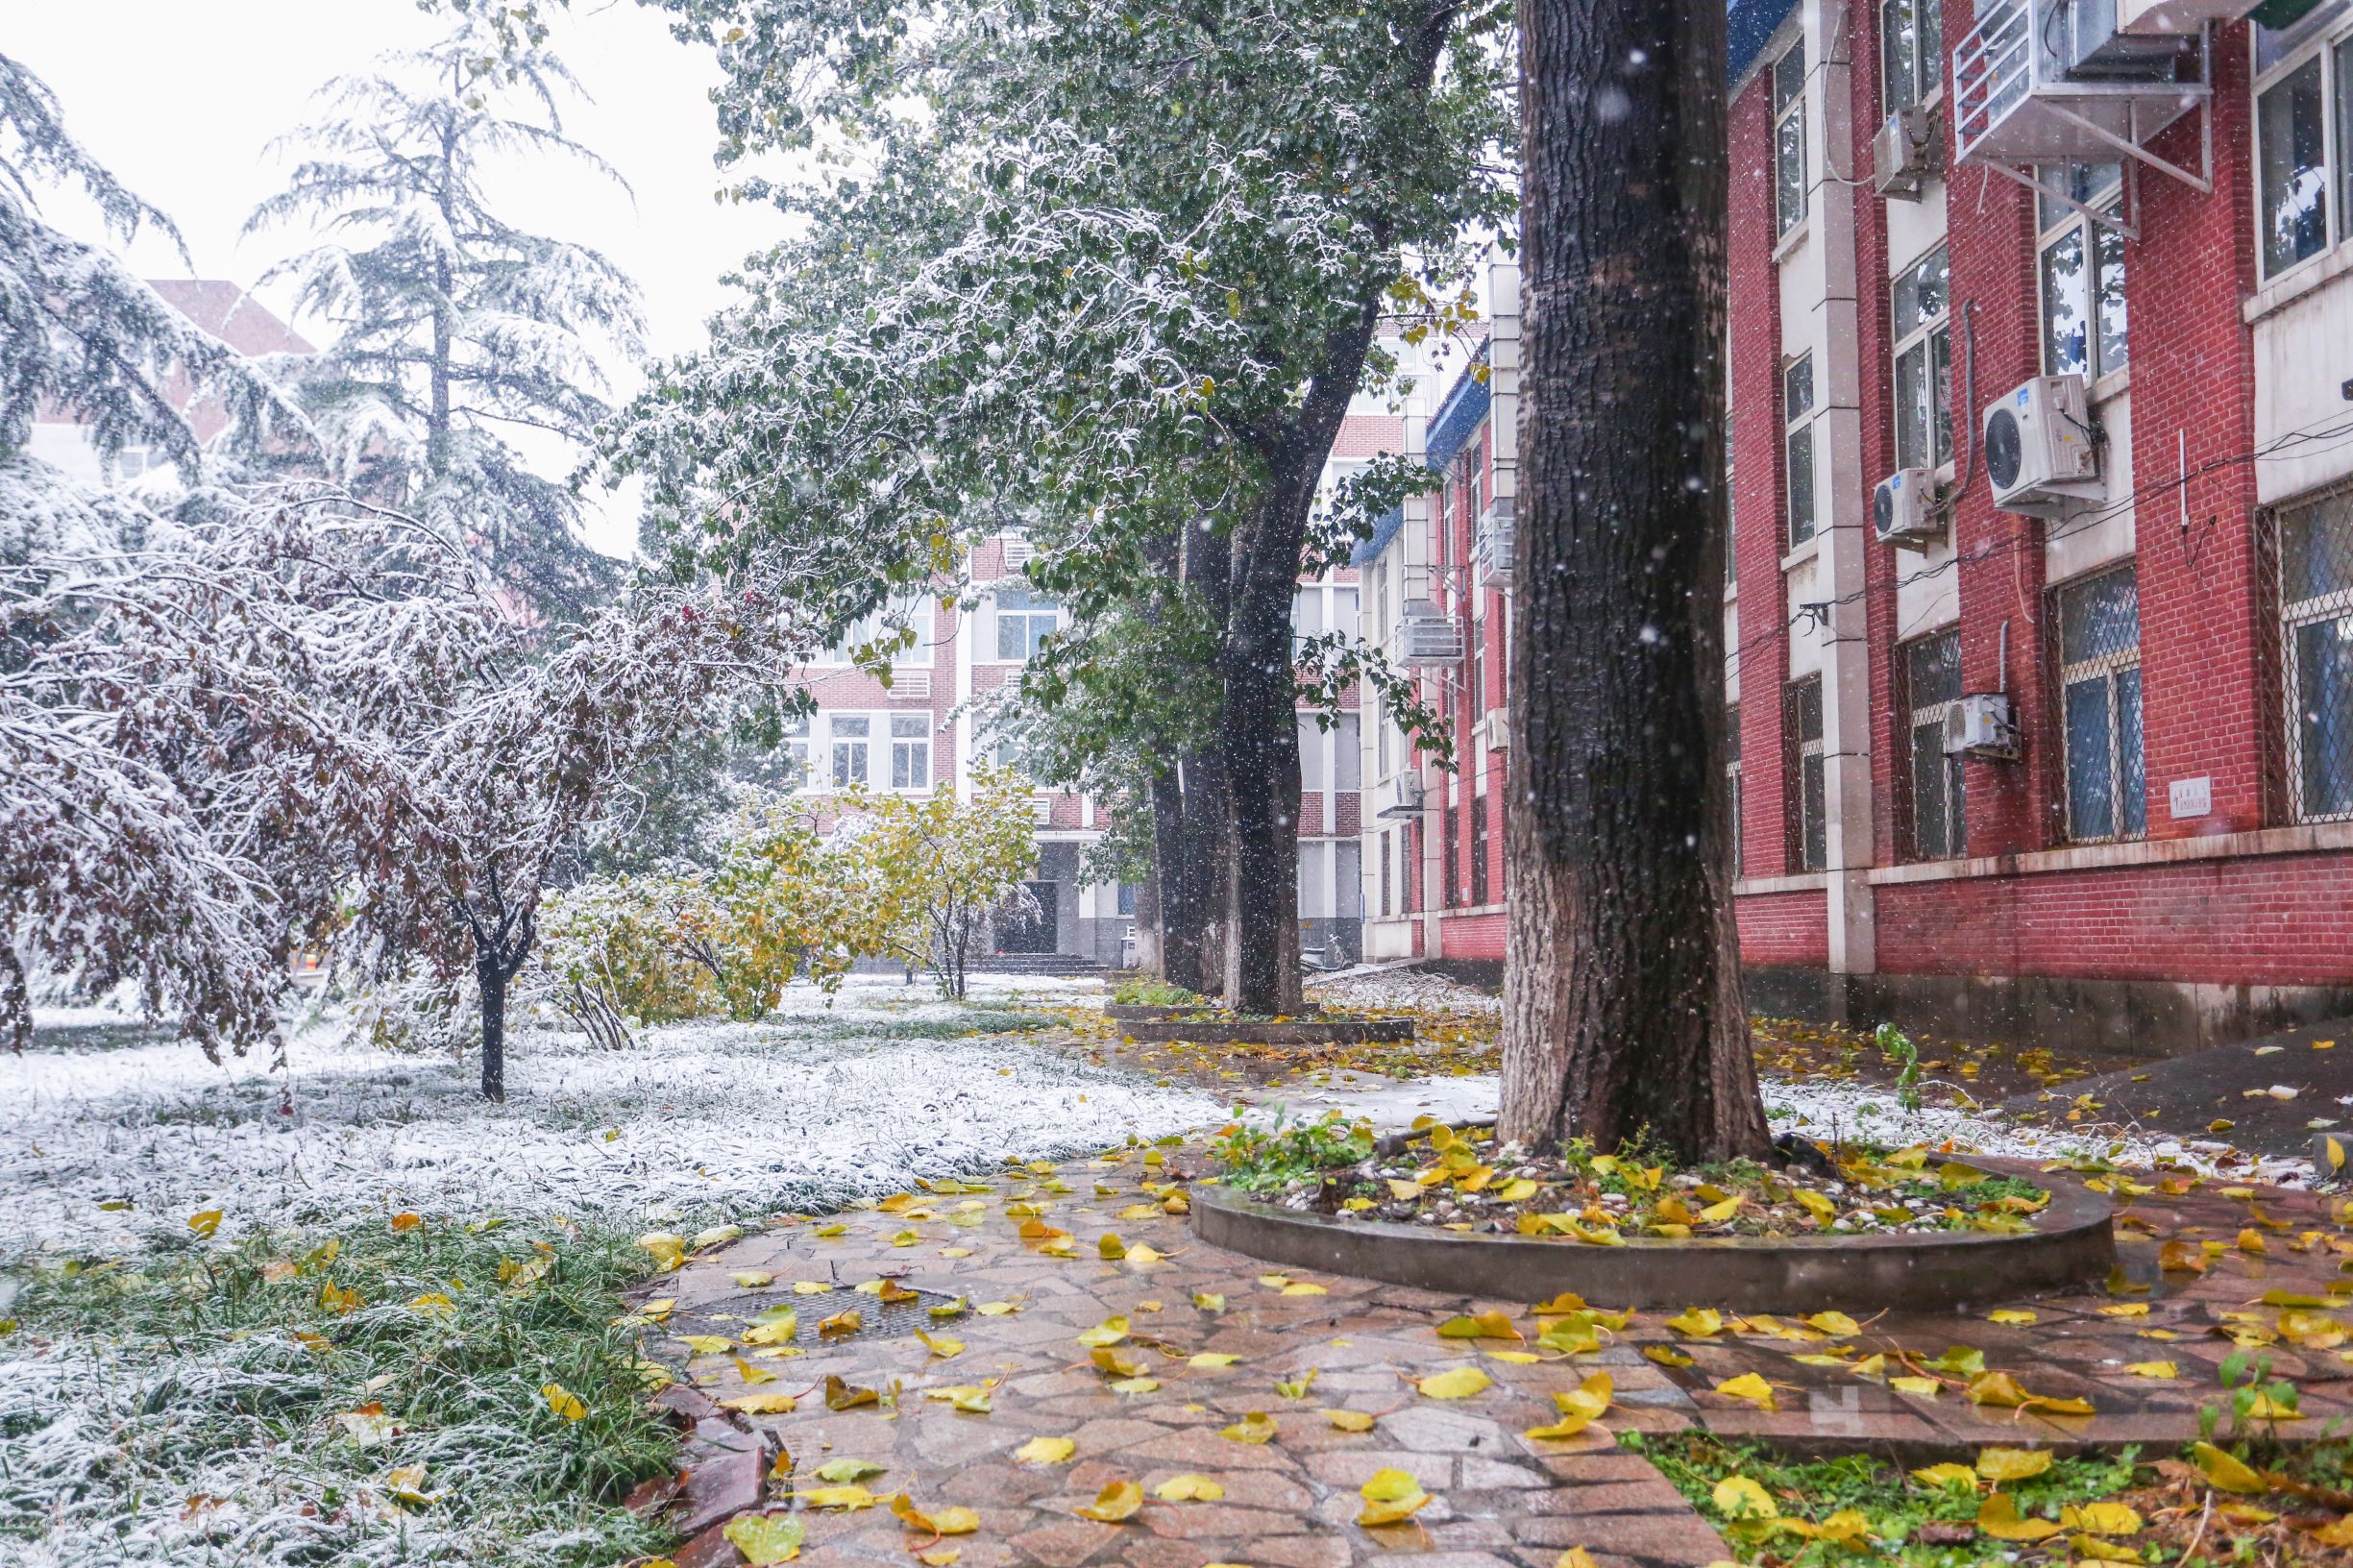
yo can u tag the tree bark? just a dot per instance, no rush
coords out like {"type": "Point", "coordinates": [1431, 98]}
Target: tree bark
{"type": "Point", "coordinates": [490, 975]}
{"type": "Point", "coordinates": [1622, 1011]}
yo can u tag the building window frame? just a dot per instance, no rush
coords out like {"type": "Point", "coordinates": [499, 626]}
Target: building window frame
{"type": "Point", "coordinates": [1029, 616]}
{"type": "Point", "coordinates": [2092, 291]}
{"type": "Point", "coordinates": [795, 745]}
{"type": "Point", "coordinates": [2316, 601]}
{"type": "Point", "coordinates": [2103, 764]}
{"type": "Point", "coordinates": [1911, 53]}
{"type": "Point", "coordinates": [1807, 775]}
{"type": "Point", "coordinates": [850, 750]}
{"type": "Point", "coordinates": [911, 753]}
{"type": "Point", "coordinates": [1919, 319]}
{"type": "Point", "coordinates": [1731, 778]}
{"type": "Point", "coordinates": [1930, 667]}
{"type": "Point", "coordinates": [2319, 52]}
{"type": "Point", "coordinates": [1800, 483]}
{"type": "Point", "coordinates": [1791, 174]}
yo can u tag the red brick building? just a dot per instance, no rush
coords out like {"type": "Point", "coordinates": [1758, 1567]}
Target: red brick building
{"type": "Point", "coordinates": [2088, 296]}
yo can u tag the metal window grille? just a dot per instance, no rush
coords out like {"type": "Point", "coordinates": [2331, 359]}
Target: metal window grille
{"type": "Point", "coordinates": [2315, 567]}
{"type": "Point", "coordinates": [1479, 849]}
{"type": "Point", "coordinates": [1809, 806]}
{"type": "Point", "coordinates": [1731, 778]}
{"type": "Point", "coordinates": [1932, 685]}
{"type": "Point", "coordinates": [2099, 697]}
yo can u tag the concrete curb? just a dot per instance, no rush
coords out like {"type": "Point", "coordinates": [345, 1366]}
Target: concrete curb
{"type": "Point", "coordinates": [2073, 1244]}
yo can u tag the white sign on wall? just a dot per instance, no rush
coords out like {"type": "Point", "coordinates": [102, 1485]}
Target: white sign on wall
{"type": "Point", "coordinates": [2191, 797]}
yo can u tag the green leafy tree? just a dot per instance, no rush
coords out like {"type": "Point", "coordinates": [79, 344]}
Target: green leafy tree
{"type": "Point", "coordinates": [937, 871]}
{"type": "Point", "coordinates": [1120, 268]}
{"type": "Point", "coordinates": [455, 328]}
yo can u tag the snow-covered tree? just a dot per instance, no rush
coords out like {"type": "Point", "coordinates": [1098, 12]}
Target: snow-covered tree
{"type": "Point", "coordinates": [82, 337]}
{"type": "Point", "coordinates": [1118, 267]}
{"type": "Point", "coordinates": [455, 328]}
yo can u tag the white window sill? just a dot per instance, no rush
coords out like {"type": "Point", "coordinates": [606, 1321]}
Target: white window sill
{"type": "Point", "coordinates": [2310, 838]}
{"type": "Point", "coordinates": [1802, 553]}
{"type": "Point", "coordinates": [2304, 278]}
{"type": "Point", "coordinates": [1798, 234]}
{"type": "Point", "coordinates": [2111, 386]}
{"type": "Point", "coordinates": [1749, 886]}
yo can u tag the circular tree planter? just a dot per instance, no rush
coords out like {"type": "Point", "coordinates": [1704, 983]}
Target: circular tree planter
{"type": "Point", "coordinates": [2070, 1245]}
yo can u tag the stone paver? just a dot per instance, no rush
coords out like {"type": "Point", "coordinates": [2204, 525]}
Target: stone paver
{"type": "Point", "coordinates": [1498, 1497]}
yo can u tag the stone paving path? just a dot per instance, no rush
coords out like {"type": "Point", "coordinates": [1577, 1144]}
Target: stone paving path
{"type": "Point", "coordinates": [1501, 1500]}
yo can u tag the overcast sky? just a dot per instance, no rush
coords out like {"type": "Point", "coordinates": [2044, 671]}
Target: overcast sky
{"type": "Point", "coordinates": [181, 97]}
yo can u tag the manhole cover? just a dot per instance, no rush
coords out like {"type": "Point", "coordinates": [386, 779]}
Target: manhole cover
{"type": "Point", "coordinates": [729, 1316]}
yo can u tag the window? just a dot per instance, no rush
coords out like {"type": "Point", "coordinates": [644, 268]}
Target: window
{"type": "Point", "coordinates": [1307, 613]}
{"type": "Point", "coordinates": [1479, 849]}
{"type": "Point", "coordinates": [1911, 51]}
{"type": "Point", "coordinates": [1348, 754]}
{"type": "Point", "coordinates": [1797, 415]}
{"type": "Point", "coordinates": [1450, 862]}
{"type": "Point", "coordinates": [1385, 872]}
{"type": "Point", "coordinates": [1731, 777]}
{"type": "Point", "coordinates": [1127, 900]}
{"type": "Point", "coordinates": [2081, 264]}
{"type": "Point", "coordinates": [2292, 156]}
{"type": "Point", "coordinates": [889, 623]}
{"type": "Point", "coordinates": [1024, 622]}
{"type": "Point", "coordinates": [1789, 139]}
{"type": "Point", "coordinates": [1932, 684]}
{"type": "Point", "coordinates": [850, 742]}
{"type": "Point", "coordinates": [2100, 696]}
{"type": "Point", "coordinates": [2317, 626]}
{"type": "Point", "coordinates": [794, 752]}
{"type": "Point", "coordinates": [1731, 536]}
{"type": "Point", "coordinates": [1315, 879]}
{"type": "Point", "coordinates": [1315, 773]}
{"type": "Point", "coordinates": [1809, 846]}
{"type": "Point", "coordinates": [1348, 878]}
{"type": "Point", "coordinates": [1924, 362]}
{"type": "Point", "coordinates": [910, 752]}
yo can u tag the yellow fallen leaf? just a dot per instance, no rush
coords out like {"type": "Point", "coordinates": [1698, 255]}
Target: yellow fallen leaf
{"type": "Point", "coordinates": [846, 1396]}
{"type": "Point", "coordinates": [1921, 1388]}
{"type": "Point", "coordinates": [776, 1331]}
{"type": "Point", "coordinates": [1208, 1301]}
{"type": "Point", "coordinates": [1109, 1360]}
{"type": "Point", "coordinates": [2091, 1548]}
{"type": "Point", "coordinates": [1456, 1382]}
{"type": "Point", "coordinates": [1575, 1556]}
{"type": "Point", "coordinates": [1837, 1325]}
{"type": "Point", "coordinates": [1258, 1427]}
{"type": "Point", "coordinates": [842, 1472]}
{"type": "Point", "coordinates": [1948, 1474]}
{"type": "Point", "coordinates": [1111, 1247]}
{"type": "Point", "coordinates": [841, 1323]}
{"type": "Point", "coordinates": [668, 1250]}
{"type": "Point", "coordinates": [2010, 1315]}
{"type": "Point", "coordinates": [1188, 1488]}
{"type": "Point", "coordinates": [1484, 1326]}
{"type": "Point", "coordinates": [1348, 1420]}
{"type": "Point", "coordinates": [706, 1344]}
{"type": "Point", "coordinates": [406, 1221]}
{"type": "Point", "coordinates": [1998, 1517]}
{"type": "Point", "coordinates": [940, 1556]}
{"type": "Point", "coordinates": [563, 1401]}
{"type": "Point", "coordinates": [2000, 1464]}
{"type": "Point", "coordinates": [848, 1499]}
{"type": "Point", "coordinates": [1665, 1356]}
{"type": "Point", "coordinates": [2226, 1471]}
{"type": "Point", "coordinates": [1739, 1497]}
{"type": "Point", "coordinates": [952, 1521]}
{"type": "Point", "coordinates": [809, 1287]}
{"type": "Point", "coordinates": [940, 1345]}
{"type": "Point", "coordinates": [1305, 1287]}
{"type": "Point", "coordinates": [1699, 1323]}
{"type": "Point", "coordinates": [1116, 1503]}
{"type": "Point", "coordinates": [1045, 1450]}
{"type": "Point", "coordinates": [2153, 1369]}
{"type": "Point", "coordinates": [765, 1538]}
{"type": "Point", "coordinates": [1750, 1388]}
{"type": "Point", "coordinates": [763, 1404]}
{"type": "Point", "coordinates": [2101, 1519]}
{"type": "Point", "coordinates": [753, 1278]}
{"type": "Point", "coordinates": [1109, 1331]}
{"type": "Point", "coordinates": [1211, 1360]}
{"type": "Point", "coordinates": [1391, 1497]}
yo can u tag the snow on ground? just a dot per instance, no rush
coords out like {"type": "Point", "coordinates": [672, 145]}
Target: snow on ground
{"type": "Point", "coordinates": [816, 1108]}
{"type": "Point", "coordinates": [1399, 985]}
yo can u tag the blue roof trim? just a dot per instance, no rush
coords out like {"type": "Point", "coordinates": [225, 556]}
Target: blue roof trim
{"type": "Point", "coordinates": [1369, 551]}
{"type": "Point", "coordinates": [1748, 26]}
{"type": "Point", "coordinates": [1465, 405]}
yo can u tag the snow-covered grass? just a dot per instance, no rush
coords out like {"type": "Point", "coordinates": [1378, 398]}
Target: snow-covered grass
{"type": "Point", "coordinates": [168, 1397]}
{"type": "Point", "coordinates": [704, 1119]}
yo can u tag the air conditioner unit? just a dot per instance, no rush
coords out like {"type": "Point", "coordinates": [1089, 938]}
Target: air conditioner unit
{"type": "Point", "coordinates": [910, 685]}
{"type": "Point", "coordinates": [1496, 542]}
{"type": "Point", "coordinates": [1905, 153]}
{"type": "Point", "coordinates": [2145, 17]}
{"type": "Point", "coordinates": [2041, 453]}
{"type": "Point", "coordinates": [1427, 635]}
{"type": "Point", "coordinates": [1979, 725]}
{"type": "Point", "coordinates": [1406, 794]}
{"type": "Point", "coordinates": [1904, 509]}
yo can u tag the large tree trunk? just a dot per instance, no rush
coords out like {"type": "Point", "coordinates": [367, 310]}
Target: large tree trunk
{"type": "Point", "coordinates": [490, 975]}
{"type": "Point", "coordinates": [1262, 757]}
{"type": "Point", "coordinates": [1147, 916]}
{"type": "Point", "coordinates": [1622, 994]}
{"type": "Point", "coordinates": [1183, 880]}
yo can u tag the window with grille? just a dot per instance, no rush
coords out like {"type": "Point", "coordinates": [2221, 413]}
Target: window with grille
{"type": "Point", "coordinates": [1386, 838]}
{"type": "Point", "coordinates": [1932, 685]}
{"type": "Point", "coordinates": [796, 752]}
{"type": "Point", "coordinates": [2316, 568]}
{"type": "Point", "coordinates": [910, 752]}
{"type": "Point", "coordinates": [1920, 297]}
{"type": "Point", "coordinates": [1450, 849]}
{"type": "Point", "coordinates": [1479, 849]}
{"type": "Point", "coordinates": [2080, 261]}
{"type": "Point", "coordinates": [1731, 777]}
{"type": "Point", "coordinates": [1809, 823]}
{"type": "Point", "coordinates": [1911, 51]}
{"type": "Point", "coordinates": [1797, 417]}
{"type": "Point", "coordinates": [2100, 706]}
{"type": "Point", "coordinates": [1789, 180]}
{"type": "Point", "coordinates": [853, 738]}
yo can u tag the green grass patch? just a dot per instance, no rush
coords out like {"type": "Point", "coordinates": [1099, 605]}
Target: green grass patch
{"type": "Point", "coordinates": [275, 1398]}
{"type": "Point", "coordinates": [1147, 991]}
{"type": "Point", "coordinates": [979, 1020]}
{"type": "Point", "coordinates": [1904, 1512]}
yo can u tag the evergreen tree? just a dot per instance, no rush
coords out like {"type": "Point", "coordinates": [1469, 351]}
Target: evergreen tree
{"type": "Point", "coordinates": [80, 336]}
{"type": "Point", "coordinates": [455, 327]}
